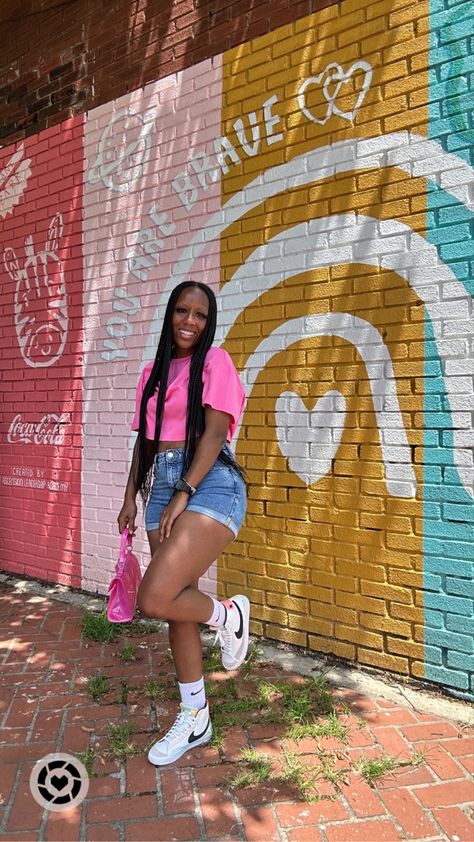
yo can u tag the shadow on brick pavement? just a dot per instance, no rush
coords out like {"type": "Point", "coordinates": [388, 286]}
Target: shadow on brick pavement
{"type": "Point", "coordinates": [45, 708]}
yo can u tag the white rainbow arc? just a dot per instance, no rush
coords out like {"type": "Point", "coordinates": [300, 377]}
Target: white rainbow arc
{"type": "Point", "coordinates": [375, 242]}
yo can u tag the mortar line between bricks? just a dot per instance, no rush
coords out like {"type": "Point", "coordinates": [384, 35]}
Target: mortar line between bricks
{"type": "Point", "coordinates": [198, 808]}
{"type": "Point", "coordinates": [159, 793]}
{"type": "Point", "coordinates": [11, 800]}
{"type": "Point", "coordinates": [238, 813]}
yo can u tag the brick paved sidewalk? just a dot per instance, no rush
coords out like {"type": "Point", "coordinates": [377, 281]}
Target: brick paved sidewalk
{"type": "Point", "coordinates": [44, 708]}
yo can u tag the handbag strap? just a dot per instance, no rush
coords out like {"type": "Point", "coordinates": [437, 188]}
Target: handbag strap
{"type": "Point", "coordinates": [125, 543]}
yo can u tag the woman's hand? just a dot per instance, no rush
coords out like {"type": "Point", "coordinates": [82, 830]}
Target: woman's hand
{"type": "Point", "coordinates": [175, 507]}
{"type": "Point", "coordinates": [127, 516]}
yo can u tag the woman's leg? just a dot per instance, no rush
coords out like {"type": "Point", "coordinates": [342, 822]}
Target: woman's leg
{"type": "Point", "coordinates": [167, 589]}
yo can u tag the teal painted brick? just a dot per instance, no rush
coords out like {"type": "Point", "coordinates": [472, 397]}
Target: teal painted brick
{"type": "Point", "coordinates": [460, 142]}
{"type": "Point", "coordinates": [433, 655]}
{"type": "Point", "coordinates": [450, 234]}
{"type": "Point", "coordinates": [457, 32]}
{"type": "Point", "coordinates": [454, 250]}
{"type": "Point", "coordinates": [437, 456]}
{"type": "Point", "coordinates": [444, 493]}
{"type": "Point", "coordinates": [453, 511]}
{"type": "Point", "coordinates": [456, 550]}
{"type": "Point", "coordinates": [432, 395]}
{"type": "Point", "coordinates": [458, 660]}
{"type": "Point", "coordinates": [434, 619]}
{"type": "Point", "coordinates": [433, 368]}
{"type": "Point", "coordinates": [460, 587]}
{"type": "Point", "coordinates": [440, 199]}
{"type": "Point", "coordinates": [448, 91]}
{"type": "Point", "coordinates": [448, 529]}
{"type": "Point", "coordinates": [442, 602]}
{"type": "Point", "coordinates": [441, 19]}
{"type": "Point", "coordinates": [460, 624]}
{"type": "Point", "coordinates": [460, 568]}
{"type": "Point", "coordinates": [449, 215]}
{"type": "Point", "coordinates": [452, 640]}
{"type": "Point", "coordinates": [451, 476]}
{"type": "Point", "coordinates": [451, 678]}
{"type": "Point", "coordinates": [432, 582]}
{"type": "Point", "coordinates": [457, 105]}
{"type": "Point", "coordinates": [432, 510]}
{"type": "Point", "coordinates": [453, 69]}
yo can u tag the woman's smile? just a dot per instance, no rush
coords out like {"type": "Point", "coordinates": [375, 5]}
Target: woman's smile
{"type": "Point", "coordinates": [189, 320]}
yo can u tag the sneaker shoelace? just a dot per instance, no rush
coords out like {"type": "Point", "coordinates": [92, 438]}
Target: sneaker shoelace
{"type": "Point", "coordinates": [223, 638]}
{"type": "Point", "coordinates": [183, 721]}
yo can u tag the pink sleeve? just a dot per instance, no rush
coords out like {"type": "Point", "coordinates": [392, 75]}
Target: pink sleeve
{"type": "Point", "coordinates": [222, 388]}
{"type": "Point", "coordinates": [138, 397]}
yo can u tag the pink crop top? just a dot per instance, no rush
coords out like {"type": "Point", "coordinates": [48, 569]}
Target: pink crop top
{"type": "Point", "coordinates": [222, 390]}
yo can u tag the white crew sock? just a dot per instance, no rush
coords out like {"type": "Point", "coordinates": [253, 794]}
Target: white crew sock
{"type": "Point", "coordinates": [218, 616]}
{"type": "Point", "coordinates": [193, 695]}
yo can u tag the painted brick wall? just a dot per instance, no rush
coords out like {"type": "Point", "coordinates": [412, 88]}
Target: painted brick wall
{"type": "Point", "coordinates": [316, 170]}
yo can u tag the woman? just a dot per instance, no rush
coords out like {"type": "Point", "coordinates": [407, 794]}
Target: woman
{"type": "Point", "coordinates": [197, 503]}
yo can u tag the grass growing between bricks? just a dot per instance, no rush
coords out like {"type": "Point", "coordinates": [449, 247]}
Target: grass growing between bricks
{"type": "Point", "coordinates": [289, 709]}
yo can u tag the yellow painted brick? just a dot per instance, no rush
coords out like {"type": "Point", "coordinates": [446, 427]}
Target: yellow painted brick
{"type": "Point", "coordinates": [403, 542]}
{"type": "Point", "coordinates": [268, 553]}
{"type": "Point", "coordinates": [386, 624]}
{"type": "Point", "coordinates": [419, 62]}
{"type": "Point", "coordinates": [384, 39]}
{"type": "Point", "coordinates": [331, 580]}
{"type": "Point", "coordinates": [414, 119]}
{"type": "Point", "coordinates": [289, 510]}
{"type": "Point", "coordinates": [410, 578]}
{"type": "Point", "coordinates": [265, 584]}
{"type": "Point", "coordinates": [361, 603]}
{"type": "Point", "coordinates": [382, 660]}
{"type": "Point", "coordinates": [288, 603]}
{"type": "Point", "coordinates": [409, 46]}
{"type": "Point", "coordinates": [419, 632]}
{"type": "Point", "coordinates": [298, 560]}
{"type": "Point", "coordinates": [397, 524]}
{"type": "Point", "coordinates": [334, 612]}
{"type": "Point", "coordinates": [334, 647]}
{"type": "Point", "coordinates": [418, 669]}
{"type": "Point", "coordinates": [387, 592]}
{"type": "Point", "coordinates": [359, 636]}
{"type": "Point", "coordinates": [405, 612]}
{"type": "Point", "coordinates": [271, 615]}
{"type": "Point", "coordinates": [255, 522]}
{"type": "Point", "coordinates": [287, 572]}
{"type": "Point", "coordinates": [377, 10]}
{"type": "Point", "coordinates": [310, 592]}
{"type": "Point", "coordinates": [296, 638]}
{"type": "Point", "coordinates": [299, 527]}
{"type": "Point", "coordinates": [374, 539]}
{"type": "Point", "coordinates": [312, 624]}
{"type": "Point", "coordinates": [256, 628]}
{"type": "Point", "coordinates": [251, 565]}
{"type": "Point", "coordinates": [405, 647]}
{"type": "Point", "coordinates": [374, 572]}
{"type": "Point", "coordinates": [235, 578]}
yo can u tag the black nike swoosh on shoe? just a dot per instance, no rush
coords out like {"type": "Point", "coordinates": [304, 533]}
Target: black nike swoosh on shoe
{"type": "Point", "coordinates": [240, 630]}
{"type": "Point", "coordinates": [195, 694]}
{"type": "Point", "coordinates": [193, 737]}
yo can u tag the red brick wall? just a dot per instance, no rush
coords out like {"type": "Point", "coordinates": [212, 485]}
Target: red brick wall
{"type": "Point", "coordinates": [58, 59]}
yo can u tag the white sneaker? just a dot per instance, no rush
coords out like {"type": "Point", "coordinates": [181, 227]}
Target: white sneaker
{"type": "Point", "coordinates": [192, 728]}
{"type": "Point", "coordinates": [233, 636]}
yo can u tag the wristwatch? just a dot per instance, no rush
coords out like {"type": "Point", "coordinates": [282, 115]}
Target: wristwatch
{"type": "Point", "coordinates": [182, 485]}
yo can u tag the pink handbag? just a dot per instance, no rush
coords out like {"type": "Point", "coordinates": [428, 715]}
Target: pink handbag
{"type": "Point", "coordinates": [124, 586]}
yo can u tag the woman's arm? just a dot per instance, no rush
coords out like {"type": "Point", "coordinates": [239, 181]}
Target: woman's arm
{"type": "Point", "coordinates": [128, 512]}
{"type": "Point", "coordinates": [207, 450]}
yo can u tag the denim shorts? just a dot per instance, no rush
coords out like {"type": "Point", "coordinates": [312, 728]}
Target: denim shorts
{"type": "Point", "coordinates": [221, 494]}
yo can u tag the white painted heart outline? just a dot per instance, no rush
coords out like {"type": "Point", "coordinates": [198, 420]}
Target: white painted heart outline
{"type": "Point", "coordinates": [315, 434]}
{"type": "Point", "coordinates": [331, 74]}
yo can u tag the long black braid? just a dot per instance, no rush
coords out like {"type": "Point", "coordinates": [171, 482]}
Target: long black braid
{"type": "Point", "coordinates": [159, 375]}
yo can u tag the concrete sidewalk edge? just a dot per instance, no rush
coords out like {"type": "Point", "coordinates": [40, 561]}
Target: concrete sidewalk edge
{"type": "Point", "coordinates": [408, 694]}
